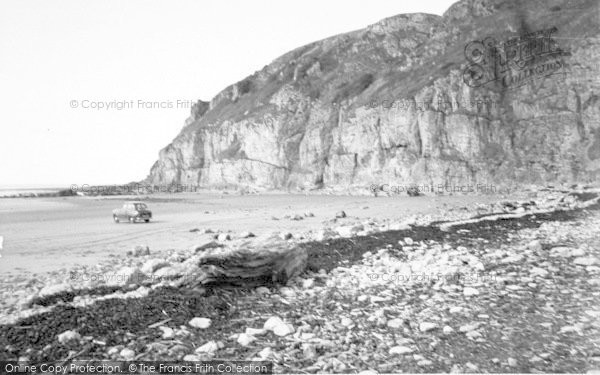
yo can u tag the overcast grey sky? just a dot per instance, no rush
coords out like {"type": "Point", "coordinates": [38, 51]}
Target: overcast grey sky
{"type": "Point", "coordinates": [62, 54]}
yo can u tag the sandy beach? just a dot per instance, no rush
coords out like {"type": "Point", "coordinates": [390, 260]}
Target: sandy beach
{"type": "Point", "coordinates": [47, 234]}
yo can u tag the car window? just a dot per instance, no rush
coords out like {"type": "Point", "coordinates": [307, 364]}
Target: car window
{"type": "Point", "coordinates": [140, 206]}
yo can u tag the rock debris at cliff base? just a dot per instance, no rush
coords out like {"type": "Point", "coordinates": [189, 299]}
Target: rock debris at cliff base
{"type": "Point", "coordinates": [517, 295]}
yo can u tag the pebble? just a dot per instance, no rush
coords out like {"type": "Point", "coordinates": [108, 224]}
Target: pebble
{"type": "Point", "coordinates": [263, 290]}
{"type": "Point", "coordinates": [152, 265]}
{"type": "Point", "coordinates": [141, 250]}
{"type": "Point", "coordinates": [265, 353]}
{"type": "Point", "coordinates": [585, 261]}
{"type": "Point", "coordinates": [409, 241]}
{"type": "Point", "coordinates": [224, 237]}
{"type": "Point", "coordinates": [347, 322]}
{"type": "Point", "coordinates": [127, 354]}
{"type": "Point", "coordinates": [455, 309]}
{"type": "Point", "coordinates": [278, 326]}
{"type": "Point", "coordinates": [473, 335]}
{"type": "Point", "coordinates": [468, 327]}
{"type": "Point", "coordinates": [167, 333]}
{"type": "Point", "coordinates": [308, 283]}
{"type": "Point", "coordinates": [447, 330]}
{"type": "Point", "coordinates": [201, 323]}
{"type": "Point", "coordinates": [246, 234]}
{"type": "Point", "coordinates": [287, 292]}
{"type": "Point", "coordinates": [255, 331]}
{"type": "Point", "coordinates": [245, 339]}
{"type": "Point", "coordinates": [534, 245]}
{"type": "Point", "coordinates": [468, 292]}
{"type": "Point", "coordinates": [426, 326]}
{"type": "Point", "coordinates": [192, 358]}
{"type": "Point", "coordinates": [286, 236]}
{"type": "Point", "coordinates": [395, 323]}
{"type": "Point", "coordinates": [283, 330]}
{"type": "Point", "coordinates": [512, 362]}
{"type": "Point", "coordinates": [209, 347]}
{"type": "Point", "coordinates": [68, 336]}
{"type": "Point", "coordinates": [471, 366]}
{"type": "Point", "coordinates": [340, 215]}
{"type": "Point", "coordinates": [401, 350]}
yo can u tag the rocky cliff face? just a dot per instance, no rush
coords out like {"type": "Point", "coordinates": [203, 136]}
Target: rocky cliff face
{"type": "Point", "coordinates": [410, 100]}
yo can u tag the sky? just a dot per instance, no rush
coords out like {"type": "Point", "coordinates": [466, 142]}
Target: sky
{"type": "Point", "coordinates": [90, 91]}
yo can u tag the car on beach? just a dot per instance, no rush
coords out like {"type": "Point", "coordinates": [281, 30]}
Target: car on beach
{"type": "Point", "coordinates": [132, 211]}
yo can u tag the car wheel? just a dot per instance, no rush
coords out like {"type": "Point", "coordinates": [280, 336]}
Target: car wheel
{"type": "Point", "coordinates": [132, 220]}
{"type": "Point", "coordinates": [115, 218]}
{"type": "Point", "coordinates": [147, 220]}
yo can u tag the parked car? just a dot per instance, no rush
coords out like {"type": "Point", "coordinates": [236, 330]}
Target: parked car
{"type": "Point", "coordinates": [132, 211]}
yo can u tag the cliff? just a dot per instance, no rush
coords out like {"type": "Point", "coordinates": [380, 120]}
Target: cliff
{"type": "Point", "coordinates": [412, 99]}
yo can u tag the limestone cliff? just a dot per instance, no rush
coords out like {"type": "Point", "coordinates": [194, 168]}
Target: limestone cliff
{"type": "Point", "coordinates": [411, 100]}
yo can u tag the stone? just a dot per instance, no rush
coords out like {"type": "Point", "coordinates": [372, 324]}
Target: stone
{"type": "Point", "coordinates": [447, 330]}
{"type": "Point", "coordinates": [210, 347]}
{"type": "Point", "coordinates": [263, 290]}
{"type": "Point", "coordinates": [207, 246]}
{"type": "Point", "coordinates": [585, 261]}
{"type": "Point", "coordinates": [152, 265]}
{"type": "Point", "coordinates": [395, 323]}
{"type": "Point", "coordinates": [400, 350]}
{"type": "Point", "coordinates": [201, 323]}
{"type": "Point", "coordinates": [324, 234]}
{"type": "Point", "coordinates": [537, 271]}
{"type": "Point", "coordinates": [309, 214]}
{"type": "Point", "coordinates": [349, 231]}
{"type": "Point", "coordinates": [455, 309]}
{"type": "Point", "coordinates": [286, 236]}
{"type": "Point", "coordinates": [224, 237]}
{"type": "Point", "coordinates": [283, 330]}
{"type": "Point", "coordinates": [245, 339]}
{"type": "Point", "coordinates": [167, 333]}
{"type": "Point", "coordinates": [534, 245]}
{"type": "Point", "coordinates": [127, 354]}
{"type": "Point", "coordinates": [308, 283]}
{"type": "Point", "coordinates": [53, 289]}
{"type": "Point", "coordinates": [69, 337]}
{"type": "Point", "coordinates": [247, 234]}
{"type": "Point", "coordinates": [287, 292]}
{"type": "Point", "coordinates": [265, 353]}
{"type": "Point", "coordinates": [273, 322]}
{"type": "Point", "coordinates": [192, 358]}
{"type": "Point", "coordinates": [469, 327]}
{"type": "Point", "coordinates": [255, 331]}
{"type": "Point", "coordinates": [309, 350]}
{"type": "Point", "coordinates": [340, 215]}
{"type": "Point", "coordinates": [468, 292]}
{"type": "Point", "coordinates": [427, 326]}
{"type": "Point", "coordinates": [141, 250]}
{"type": "Point", "coordinates": [409, 241]}
{"type": "Point", "coordinates": [512, 362]}
{"type": "Point", "coordinates": [346, 322]}
{"type": "Point", "coordinates": [473, 335]}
